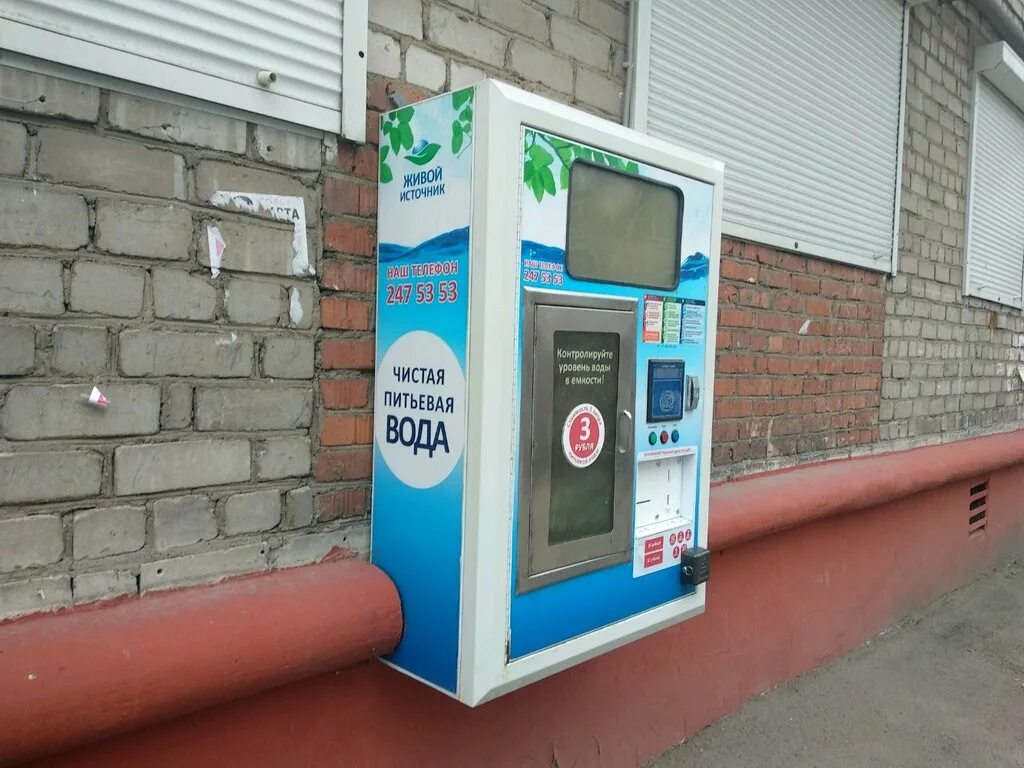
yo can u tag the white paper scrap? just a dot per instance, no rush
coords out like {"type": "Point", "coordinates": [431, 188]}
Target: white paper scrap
{"type": "Point", "coordinates": [282, 207]}
{"type": "Point", "coordinates": [295, 307]}
{"type": "Point", "coordinates": [96, 398]}
{"type": "Point", "coordinates": [217, 245]}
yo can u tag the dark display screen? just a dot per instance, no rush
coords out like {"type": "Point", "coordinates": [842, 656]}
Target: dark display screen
{"type": "Point", "coordinates": [664, 390]}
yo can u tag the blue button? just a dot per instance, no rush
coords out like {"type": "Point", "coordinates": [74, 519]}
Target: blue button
{"type": "Point", "coordinates": [675, 435]}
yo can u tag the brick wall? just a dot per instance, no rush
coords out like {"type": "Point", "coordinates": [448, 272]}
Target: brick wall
{"type": "Point", "coordinates": [951, 360]}
{"type": "Point", "coordinates": [200, 466]}
{"type": "Point", "coordinates": [799, 358]}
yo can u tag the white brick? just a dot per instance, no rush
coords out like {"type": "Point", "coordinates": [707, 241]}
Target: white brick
{"type": "Point", "coordinates": [104, 585]}
{"type": "Point", "coordinates": [46, 411]}
{"type": "Point", "coordinates": [251, 512]}
{"type": "Point", "coordinates": [253, 408]}
{"type": "Point", "coordinates": [179, 295]}
{"type": "Point", "coordinates": [183, 520]}
{"type": "Point", "coordinates": [251, 246]}
{"type": "Point", "coordinates": [598, 90]}
{"type": "Point", "coordinates": [40, 216]}
{"type": "Point", "coordinates": [294, 150]}
{"type": "Point", "coordinates": [201, 568]}
{"type": "Point", "coordinates": [463, 75]}
{"type": "Point", "coordinates": [288, 357]}
{"type": "Point", "coordinates": [107, 289]}
{"type": "Point", "coordinates": [353, 541]}
{"type": "Point", "coordinates": [540, 65]}
{"type": "Point", "coordinates": [149, 231]}
{"type": "Point", "coordinates": [17, 349]}
{"type": "Point", "coordinates": [25, 91]}
{"type": "Point", "coordinates": [424, 68]}
{"type": "Point", "coordinates": [283, 457]}
{"type": "Point", "coordinates": [516, 16]}
{"type": "Point", "coordinates": [605, 17]}
{"type": "Point", "coordinates": [170, 122]}
{"type": "Point", "coordinates": [402, 16]}
{"type": "Point", "coordinates": [46, 593]}
{"type": "Point", "coordinates": [457, 33]}
{"type": "Point", "coordinates": [298, 508]}
{"type": "Point", "coordinates": [384, 55]}
{"type": "Point", "coordinates": [80, 350]}
{"type": "Point", "coordinates": [172, 353]}
{"type": "Point", "coordinates": [31, 286]}
{"type": "Point", "coordinates": [109, 531]}
{"type": "Point", "coordinates": [253, 302]}
{"type": "Point", "coordinates": [14, 140]}
{"type": "Point", "coordinates": [30, 541]}
{"type": "Point", "coordinates": [575, 40]}
{"type": "Point", "coordinates": [27, 477]}
{"type": "Point", "coordinates": [186, 464]}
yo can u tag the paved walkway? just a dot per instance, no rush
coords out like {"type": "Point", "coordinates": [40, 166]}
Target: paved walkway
{"type": "Point", "coordinates": [943, 688]}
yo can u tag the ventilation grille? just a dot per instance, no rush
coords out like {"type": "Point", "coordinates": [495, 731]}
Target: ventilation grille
{"type": "Point", "coordinates": [978, 509]}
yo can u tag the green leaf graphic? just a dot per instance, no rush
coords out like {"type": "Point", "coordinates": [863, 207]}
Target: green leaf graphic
{"type": "Point", "coordinates": [405, 132]}
{"type": "Point", "coordinates": [538, 187]}
{"type": "Point", "coordinates": [548, 180]}
{"type": "Point", "coordinates": [425, 155]}
{"type": "Point", "coordinates": [456, 136]}
{"type": "Point", "coordinates": [540, 156]}
{"type": "Point", "coordinates": [405, 115]}
{"type": "Point", "coordinates": [462, 97]}
{"type": "Point", "coordinates": [563, 178]}
{"type": "Point", "coordinates": [385, 173]}
{"type": "Point", "coordinates": [396, 141]}
{"type": "Point", "coordinates": [467, 115]}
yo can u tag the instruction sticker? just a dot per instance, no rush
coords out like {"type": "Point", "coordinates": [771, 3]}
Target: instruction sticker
{"type": "Point", "coordinates": [672, 320]}
{"type": "Point", "coordinates": [660, 551]}
{"type": "Point", "coordinates": [583, 435]}
{"type": "Point", "coordinates": [694, 318]}
{"type": "Point", "coordinates": [652, 318]}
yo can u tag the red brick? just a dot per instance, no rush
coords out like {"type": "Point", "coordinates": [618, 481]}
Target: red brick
{"type": "Point", "coordinates": [815, 386]}
{"type": "Point", "coordinates": [724, 339]}
{"type": "Point", "coordinates": [769, 407]}
{"type": "Point", "coordinates": [724, 387]}
{"type": "Point", "coordinates": [778, 365]}
{"type": "Point", "coordinates": [347, 429]}
{"type": "Point", "coordinates": [724, 431]}
{"type": "Point", "coordinates": [786, 345]}
{"type": "Point", "coordinates": [787, 302]}
{"type": "Point", "coordinates": [346, 276]}
{"type": "Point", "coordinates": [356, 238]}
{"type": "Point", "coordinates": [761, 253]}
{"type": "Point", "coordinates": [365, 163]}
{"type": "Point", "coordinates": [809, 285]}
{"type": "Point", "coordinates": [768, 321]}
{"type": "Point", "coordinates": [792, 262]}
{"type": "Point", "coordinates": [819, 307]}
{"type": "Point", "coordinates": [345, 464]}
{"type": "Point", "coordinates": [345, 393]}
{"type": "Point", "coordinates": [783, 387]}
{"type": "Point", "coordinates": [346, 156]}
{"type": "Point", "coordinates": [754, 297]}
{"type": "Point", "coordinates": [819, 267]}
{"type": "Point", "coordinates": [775, 278]}
{"type": "Point", "coordinates": [833, 289]}
{"type": "Point", "coordinates": [733, 409]}
{"type": "Point", "coordinates": [738, 270]}
{"type": "Point", "coordinates": [727, 293]}
{"type": "Point", "coordinates": [739, 318]}
{"type": "Point", "coordinates": [344, 313]}
{"type": "Point", "coordinates": [346, 503]}
{"type": "Point", "coordinates": [728, 363]}
{"type": "Point", "coordinates": [750, 387]}
{"type": "Point", "coordinates": [341, 195]}
{"type": "Point", "coordinates": [367, 201]}
{"type": "Point", "coordinates": [377, 93]}
{"type": "Point", "coordinates": [372, 126]}
{"type": "Point", "coordinates": [730, 247]}
{"type": "Point", "coordinates": [347, 354]}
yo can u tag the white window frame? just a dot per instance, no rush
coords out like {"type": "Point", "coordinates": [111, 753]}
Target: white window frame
{"type": "Point", "coordinates": [997, 63]}
{"type": "Point", "coordinates": [636, 117]}
{"type": "Point", "coordinates": [28, 47]}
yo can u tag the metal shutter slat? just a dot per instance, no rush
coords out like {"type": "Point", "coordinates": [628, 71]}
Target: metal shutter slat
{"type": "Point", "coordinates": [801, 101]}
{"type": "Point", "coordinates": [995, 247]}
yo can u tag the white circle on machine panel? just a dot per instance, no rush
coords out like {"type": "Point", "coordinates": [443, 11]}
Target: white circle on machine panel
{"type": "Point", "coordinates": [583, 435]}
{"type": "Point", "coordinates": [420, 409]}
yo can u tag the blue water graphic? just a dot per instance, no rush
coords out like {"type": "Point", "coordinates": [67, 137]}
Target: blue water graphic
{"type": "Point", "coordinates": [449, 245]}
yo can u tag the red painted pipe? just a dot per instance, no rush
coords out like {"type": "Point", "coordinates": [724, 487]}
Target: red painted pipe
{"type": "Point", "coordinates": [84, 674]}
{"type": "Point", "coordinates": [747, 509]}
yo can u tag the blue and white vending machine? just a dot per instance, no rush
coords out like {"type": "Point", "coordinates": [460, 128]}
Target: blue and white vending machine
{"type": "Point", "coordinates": [547, 293]}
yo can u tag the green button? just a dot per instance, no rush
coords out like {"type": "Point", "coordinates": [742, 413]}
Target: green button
{"type": "Point", "coordinates": [652, 438]}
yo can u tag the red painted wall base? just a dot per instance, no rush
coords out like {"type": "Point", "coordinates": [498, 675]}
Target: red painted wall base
{"type": "Point", "coordinates": [777, 606]}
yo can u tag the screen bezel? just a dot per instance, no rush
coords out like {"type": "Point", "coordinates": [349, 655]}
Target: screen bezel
{"type": "Point", "coordinates": [679, 230]}
{"type": "Point", "coordinates": [653, 363]}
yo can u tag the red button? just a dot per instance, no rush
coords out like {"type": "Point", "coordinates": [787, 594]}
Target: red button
{"type": "Point", "coordinates": [664, 437]}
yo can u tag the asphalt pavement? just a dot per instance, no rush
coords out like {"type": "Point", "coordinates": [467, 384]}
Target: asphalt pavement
{"type": "Point", "coordinates": [944, 687]}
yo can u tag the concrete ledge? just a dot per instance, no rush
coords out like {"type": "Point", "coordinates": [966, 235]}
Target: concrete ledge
{"type": "Point", "coordinates": [87, 673]}
{"type": "Point", "coordinates": [752, 507]}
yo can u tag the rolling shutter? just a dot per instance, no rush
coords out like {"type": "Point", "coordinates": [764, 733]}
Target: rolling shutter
{"type": "Point", "coordinates": [208, 49]}
{"type": "Point", "coordinates": [800, 99]}
{"type": "Point", "coordinates": [995, 229]}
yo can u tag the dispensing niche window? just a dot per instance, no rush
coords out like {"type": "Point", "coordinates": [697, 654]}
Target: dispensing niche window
{"type": "Point", "coordinates": [623, 228]}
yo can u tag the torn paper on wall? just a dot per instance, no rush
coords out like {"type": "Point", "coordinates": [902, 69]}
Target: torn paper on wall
{"type": "Point", "coordinates": [281, 207]}
{"type": "Point", "coordinates": [96, 398]}
{"type": "Point", "coordinates": [295, 307]}
{"type": "Point", "coordinates": [216, 245]}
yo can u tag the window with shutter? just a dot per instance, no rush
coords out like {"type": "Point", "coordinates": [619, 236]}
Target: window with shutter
{"type": "Point", "coordinates": [995, 196]}
{"type": "Point", "coordinates": [800, 98]}
{"type": "Point", "coordinates": [301, 61]}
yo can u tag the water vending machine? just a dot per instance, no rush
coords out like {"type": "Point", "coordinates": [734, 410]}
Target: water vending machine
{"type": "Point", "coordinates": [547, 291]}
